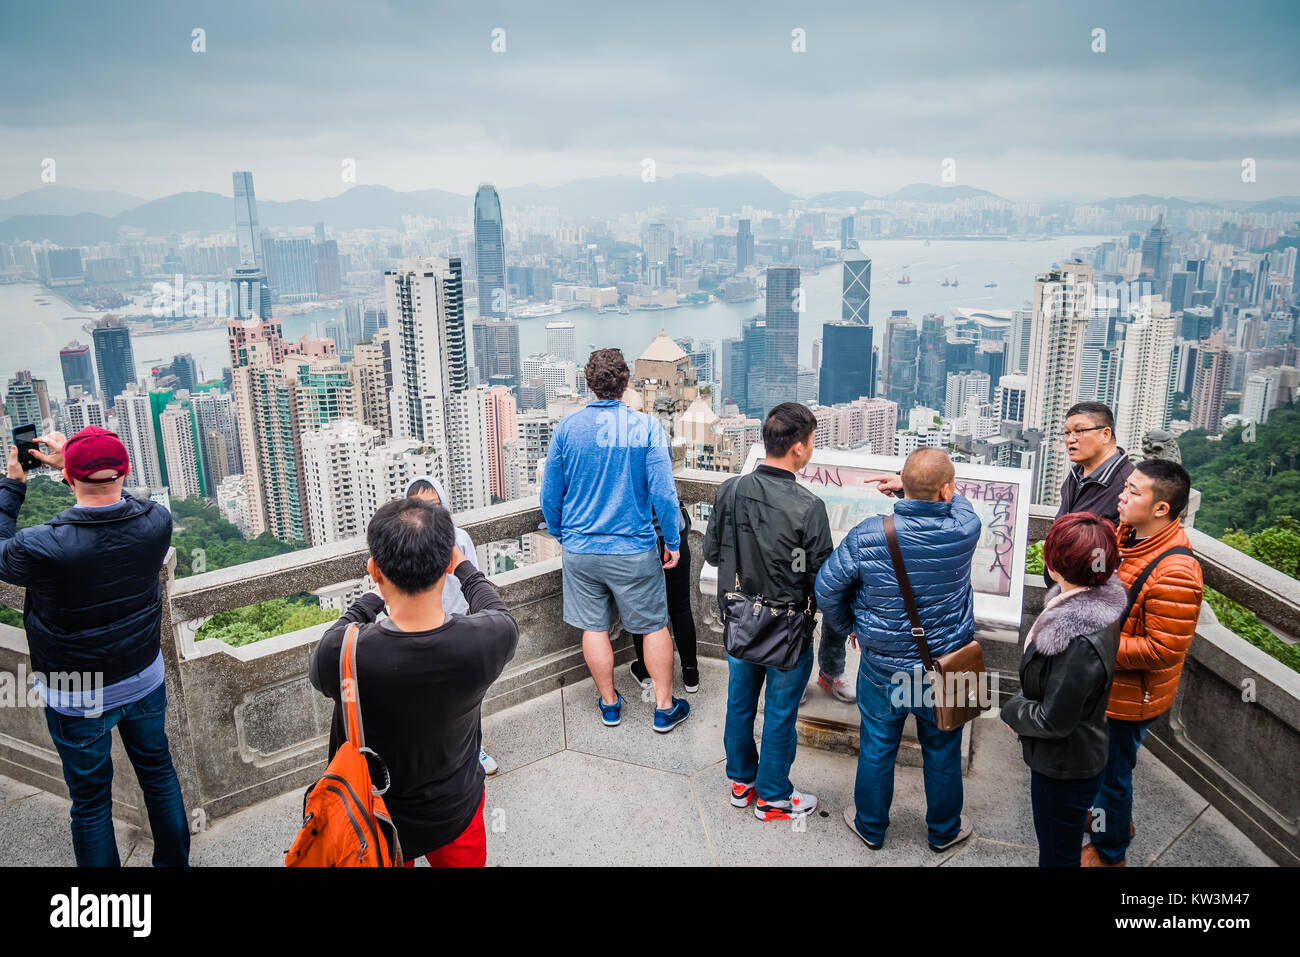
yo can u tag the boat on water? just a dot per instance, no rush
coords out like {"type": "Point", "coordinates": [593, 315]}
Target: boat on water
{"type": "Point", "coordinates": [906, 280]}
{"type": "Point", "coordinates": [990, 285]}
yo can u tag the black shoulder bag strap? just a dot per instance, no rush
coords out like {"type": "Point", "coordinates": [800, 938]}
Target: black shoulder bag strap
{"type": "Point", "coordinates": [905, 586]}
{"type": "Point", "coordinates": [735, 530]}
{"type": "Point", "coordinates": [1136, 588]}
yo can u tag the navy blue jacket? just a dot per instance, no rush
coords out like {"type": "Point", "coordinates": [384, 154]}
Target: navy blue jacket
{"type": "Point", "coordinates": [94, 602]}
{"type": "Point", "coordinates": [857, 589]}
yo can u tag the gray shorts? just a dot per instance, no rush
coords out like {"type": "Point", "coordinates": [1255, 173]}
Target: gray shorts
{"type": "Point", "coordinates": [593, 583]}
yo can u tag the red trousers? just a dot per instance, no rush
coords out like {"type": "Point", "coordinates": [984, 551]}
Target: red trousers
{"type": "Point", "coordinates": [468, 850]}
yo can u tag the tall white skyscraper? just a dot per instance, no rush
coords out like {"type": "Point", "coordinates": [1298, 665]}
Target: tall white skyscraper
{"type": "Point", "coordinates": [961, 386]}
{"type": "Point", "coordinates": [180, 451]}
{"type": "Point", "coordinates": [135, 428]}
{"type": "Point", "coordinates": [1010, 398]}
{"type": "Point", "coordinates": [431, 398]}
{"type": "Point", "coordinates": [1062, 307]}
{"type": "Point", "coordinates": [80, 411]}
{"type": "Point", "coordinates": [215, 411]}
{"type": "Point", "coordinates": [1018, 340]}
{"type": "Point", "coordinates": [1145, 354]}
{"type": "Point", "coordinates": [1259, 397]}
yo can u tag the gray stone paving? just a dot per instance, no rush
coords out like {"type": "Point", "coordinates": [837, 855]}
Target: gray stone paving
{"type": "Point", "coordinates": [571, 791]}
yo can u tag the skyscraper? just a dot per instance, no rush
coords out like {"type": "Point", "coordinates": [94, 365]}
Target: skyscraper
{"type": "Point", "coordinates": [657, 244]}
{"type": "Point", "coordinates": [186, 370]}
{"type": "Point", "coordinates": [1018, 340]}
{"type": "Point", "coordinates": [250, 294]}
{"type": "Point", "coordinates": [28, 402]}
{"type": "Point", "coordinates": [897, 317]}
{"type": "Point", "coordinates": [427, 325]}
{"type": "Point", "coordinates": [734, 373]}
{"type": "Point", "coordinates": [1011, 394]}
{"type": "Point", "coordinates": [182, 451]}
{"type": "Point", "coordinates": [80, 411]}
{"type": "Point", "coordinates": [496, 352]}
{"type": "Point", "coordinates": [755, 332]}
{"type": "Point", "coordinates": [489, 254]}
{"type": "Point", "coordinates": [78, 368]}
{"type": "Point", "coordinates": [846, 233]}
{"type": "Point", "coordinates": [1155, 253]}
{"type": "Point", "coordinates": [329, 279]}
{"type": "Point", "coordinates": [959, 389]}
{"type": "Point", "coordinates": [744, 246]}
{"type": "Point", "coordinates": [846, 363]}
{"type": "Point", "coordinates": [856, 306]}
{"type": "Point", "coordinates": [114, 359]}
{"type": "Point", "coordinates": [246, 228]}
{"type": "Point", "coordinates": [560, 340]}
{"type": "Point", "coordinates": [932, 363]}
{"type": "Point", "coordinates": [1143, 393]}
{"type": "Point", "coordinates": [135, 428]}
{"type": "Point", "coordinates": [781, 345]}
{"type": "Point", "coordinates": [1213, 361]}
{"type": "Point", "coordinates": [904, 345]}
{"type": "Point", "coordinates": [290, 268]}
{"type": "Point", "coordinates": [372, 363]}
{"type": "Point", "coordinates": [1062, 308]}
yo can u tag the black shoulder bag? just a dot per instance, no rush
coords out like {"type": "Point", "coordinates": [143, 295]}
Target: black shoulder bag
{"type": "Point", "coordinates": [757, 630]}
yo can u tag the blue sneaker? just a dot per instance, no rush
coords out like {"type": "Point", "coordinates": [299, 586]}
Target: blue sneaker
{"type": "Point", "coordinates": [668, 718]}
{"type": "Point", "coordinates": [611, 714]}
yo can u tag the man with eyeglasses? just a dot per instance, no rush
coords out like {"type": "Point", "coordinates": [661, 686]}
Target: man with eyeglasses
{"type": "Point", "coordinates": [1099, 466]}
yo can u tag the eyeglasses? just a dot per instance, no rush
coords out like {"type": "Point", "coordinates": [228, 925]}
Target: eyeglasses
{"type": "Point", "coordinates": [1069, 432]}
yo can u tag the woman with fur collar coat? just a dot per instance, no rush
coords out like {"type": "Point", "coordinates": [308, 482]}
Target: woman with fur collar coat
{"type": "Point", "coordinates": [1066, 672]}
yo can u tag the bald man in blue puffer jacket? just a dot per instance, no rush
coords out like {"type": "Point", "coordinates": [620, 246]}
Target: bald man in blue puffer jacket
{"type": "Point", "coordinates": [857, 591]}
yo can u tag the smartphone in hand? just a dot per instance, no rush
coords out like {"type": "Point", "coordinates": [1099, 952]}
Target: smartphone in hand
{"type": "Point", "coordinates": [25, 440]}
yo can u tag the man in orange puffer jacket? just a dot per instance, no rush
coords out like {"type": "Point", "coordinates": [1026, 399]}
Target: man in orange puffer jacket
{"type": "Point", "coordinates": [1153, 644]}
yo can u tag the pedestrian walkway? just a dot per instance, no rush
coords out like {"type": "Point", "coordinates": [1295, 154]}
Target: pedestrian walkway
{"type": "Point", "coordinates": [571, 791]}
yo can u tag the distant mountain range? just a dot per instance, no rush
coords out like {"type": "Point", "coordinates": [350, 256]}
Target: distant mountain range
{"type": "Point", "coordinates": [73, 217]}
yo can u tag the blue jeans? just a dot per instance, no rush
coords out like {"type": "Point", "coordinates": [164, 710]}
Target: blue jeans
{"type": "Point", "coordinates": [882, 730]}
{"type": "Point", "coordinates": [832, 652]}
{"type": "Point", "coordinates": [85, 745]}
{"type": "Point", "coordinates": [769, 771]}
{"type": "Point", "coordinates": [1113, 806]}
{"type": "Point", "coordinates": [1059, 810]}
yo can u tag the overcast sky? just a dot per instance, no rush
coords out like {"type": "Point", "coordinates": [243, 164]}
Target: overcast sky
{"type": "Point", "coordinates": [885, 91]}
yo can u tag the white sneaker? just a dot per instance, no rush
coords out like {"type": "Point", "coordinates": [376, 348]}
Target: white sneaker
{"type": "Point", "coordinates": [838, 688]}
{"type": "Point", "coordinates": [485, 759]}
{"type": "Point", "coordinates": [796, 805]}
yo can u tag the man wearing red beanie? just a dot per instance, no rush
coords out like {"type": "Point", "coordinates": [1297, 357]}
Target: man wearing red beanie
{"type": "Point", "coordinates": [93, 617]}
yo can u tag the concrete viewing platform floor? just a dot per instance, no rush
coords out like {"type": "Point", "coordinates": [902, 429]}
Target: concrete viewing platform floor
{"type": "Point", "coordinates": [572, 792]}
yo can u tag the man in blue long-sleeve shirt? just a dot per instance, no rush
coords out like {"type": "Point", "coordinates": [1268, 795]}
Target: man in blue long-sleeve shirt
{"type": "Point", "coordinates": [608, 474]}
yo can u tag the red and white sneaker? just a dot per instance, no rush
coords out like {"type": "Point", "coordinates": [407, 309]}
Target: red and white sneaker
{"type": "Point", "coordinates": [796, 805]}
{"type": "Point", "coordinates": [742, 795]}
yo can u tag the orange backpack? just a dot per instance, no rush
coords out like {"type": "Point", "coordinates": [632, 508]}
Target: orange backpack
{"type": "Point", "coordinates": [345, 822]}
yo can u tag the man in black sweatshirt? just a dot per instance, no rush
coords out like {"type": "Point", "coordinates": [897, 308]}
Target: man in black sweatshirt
{"type": "Point", "coordinates": [421, 677]}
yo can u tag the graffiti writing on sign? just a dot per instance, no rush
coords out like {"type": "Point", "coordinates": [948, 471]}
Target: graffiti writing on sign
{"type": "Point", "coordinates": [1001, 524]}
{"type": "Point", "coordinates": [822, 475]}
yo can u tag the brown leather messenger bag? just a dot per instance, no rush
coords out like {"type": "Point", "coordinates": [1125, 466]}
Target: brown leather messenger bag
{"type": "Point", "coordinates": [955, 678]}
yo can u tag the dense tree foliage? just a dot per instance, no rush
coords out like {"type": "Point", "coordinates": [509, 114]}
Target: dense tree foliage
{"type": "Point", "coordinates": [1247, 485]}
{"type": "Point", "coordinates": [243, 626]}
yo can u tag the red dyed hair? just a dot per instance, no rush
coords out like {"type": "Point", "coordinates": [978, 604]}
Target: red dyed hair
{"type": "Point", "coordinates": [1082, 548]}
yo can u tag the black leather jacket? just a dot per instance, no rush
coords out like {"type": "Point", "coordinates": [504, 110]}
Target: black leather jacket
{"type": "Point", "coordinates": [783, 532]}
{"type": "Point", "coordinates": [1065, 678]}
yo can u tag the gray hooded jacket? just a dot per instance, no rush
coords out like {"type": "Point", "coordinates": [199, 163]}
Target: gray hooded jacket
{"type": "Point", "coordinates": [453, 601]}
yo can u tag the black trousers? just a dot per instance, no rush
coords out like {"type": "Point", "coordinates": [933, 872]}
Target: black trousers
{"type": "Point", "coordinates": [678, 583]}
{"type": "Point", "coordinates": [1059, 810]}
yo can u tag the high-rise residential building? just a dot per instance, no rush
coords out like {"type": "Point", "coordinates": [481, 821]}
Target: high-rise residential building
{"type": "Point", "coordinates": [372, 363]}
{"type": "Point", "coordinates": [1210, 384]}
{"type": "Point", "coordinates": [290, 268]}
{"type": "Point", "coordinates": [781, 341]}
{"type": "Point", "coordinates": [232, 502]}
{"type": "Point", "coordinates": [744, 246]}
{"type": "Point", "coordinates": [489, 254]}
{"type": "Point", "coordinates": [960, 387]}
{"type": "Point", "coordinates": [846, 363]}
{"type": "Point", "coordinates": [250, 293]}
{"type": "Point", "coordinates": [78, 368]}
{"type": "Point", "coordinates": [28, 401]}
{"type": "Point", "coordinates": [427, 326]}
{"type": "Point", "coordinates": [904, 346]}
{"type": "Point", "coordinates": [534, 431]}
{"type": "Point", "coordinates": [556, 373]}
{"type": "Point", "coordinates": [181, 451]}
{"type": "Point", "coordinates": [1011, 393]}
{"type": "Point", "coordinates": [560, 340]}
{"type": "Point", "coordinates": [1260, 396]}
{"type": "Point", "coordinates": [114, 359]}
{"type": "Point", "coordinates": [1146, 349]}
{"type": "Point", "coordinates": [496, 352]}
{"type": "Point", "coordinates": [247, 232]}
{"type": "Point", "coordinates": [1062, 308]}
{"type": "Point", "coordinates": [80, 411]}
{"type": "Point", "coordinates": [216, 458]}
{"type": "Point", "coordinates": [502, 425]}
{"type": "Point", "coordinates": [855, 296]}
{"type": "Point", "coordinates": [703, 357]}
{"type": "Point", "coordinates": [135, 428]}
{"type": "Point", "coordinates": [1018, 340]}
{"type": "Point", "coordinates": [333, 479]}
{"type": "Point", "coordinates": [214, 412]}
{"type": "Point", "coordinates": [469, 473]}
{"type": "Point", "coordinates": [932, 363]}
